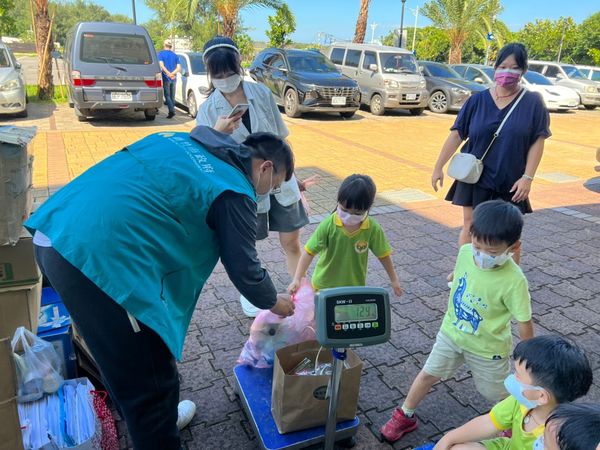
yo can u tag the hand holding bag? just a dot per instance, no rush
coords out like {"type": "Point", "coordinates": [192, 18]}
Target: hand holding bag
{"type": "Point", "coordinates": [466, 167]}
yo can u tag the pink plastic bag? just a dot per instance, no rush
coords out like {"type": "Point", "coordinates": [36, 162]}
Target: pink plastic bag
{"type": "Point", "coordinates": [269, 332]}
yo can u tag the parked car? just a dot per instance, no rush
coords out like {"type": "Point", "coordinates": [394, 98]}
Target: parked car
{"type": "Point", "coordinates": [192, 82]}
{"type": "Point", "coordinates": [112, 67]}
{"type": "Point", "coordinates": [568, 75]}
{"type": "Point", "coordinates": [448, 91]}
{"type": "Point", "coordinates": [556, 98]}
{"type": "Point", "coordinates": [13, 95]}
{"type": "Point", "coordinates": [477, 73]}
{"type": "Point", "coordinates": [305, 80]}
{"type": "Point", "coordinates": [388, 77]}
{"type": "Point", "coordinates": [590, 72]}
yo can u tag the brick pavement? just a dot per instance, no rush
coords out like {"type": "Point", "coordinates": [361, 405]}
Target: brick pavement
{"type": "Point", "coordinates": [560, 257]}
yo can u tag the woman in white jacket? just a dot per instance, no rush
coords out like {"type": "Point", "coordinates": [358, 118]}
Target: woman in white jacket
{"type": "Point", "coordinates": [280, 211]}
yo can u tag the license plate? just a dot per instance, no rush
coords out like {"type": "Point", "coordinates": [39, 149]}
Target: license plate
{"type": "Point", "coordinates": [411, 96]}
{"type": "Point", "coordinates": [121, 96]}
{"type": "Point", "coordinates": [338, 101]}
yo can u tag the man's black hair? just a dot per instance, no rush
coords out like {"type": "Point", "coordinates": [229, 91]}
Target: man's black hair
{"type": "Point", "coordinates": [518, 50]}
{"type": "Point", "coordinates": [577, 426]}
{"type": "Point", "coordinates": [270, 147]}
{"type": "Point", "coordinates": [357, 192]}
{"type": "Point", "coordinates": [496, 222]}
{"type": "Point", "coordinates": [557, 365]}
{"type": "Point", "coordinates": [221, 60]}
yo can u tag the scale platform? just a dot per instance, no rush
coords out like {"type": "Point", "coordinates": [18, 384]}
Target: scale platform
{"type": "Point", "coordinates": [254, 388]}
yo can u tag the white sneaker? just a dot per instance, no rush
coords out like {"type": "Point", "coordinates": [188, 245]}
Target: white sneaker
{"type": "Point", "coordinates": [185, 413]}
{"type": "Point", "coordinates": [249, 309]}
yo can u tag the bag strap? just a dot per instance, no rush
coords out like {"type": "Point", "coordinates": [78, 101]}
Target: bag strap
{"type": "Point", "coordinates": [502, 124]}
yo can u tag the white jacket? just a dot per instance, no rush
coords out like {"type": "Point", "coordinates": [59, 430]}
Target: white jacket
{"type": "Point", "coordinates": [264, 117]}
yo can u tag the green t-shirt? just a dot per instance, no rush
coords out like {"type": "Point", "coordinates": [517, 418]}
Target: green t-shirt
{"type": "Point", "coordinates": [481, 304]}
{"type": "Point", "coordinates": [508, 415]}
{"type": "Point", "coordinates": [343, 256]}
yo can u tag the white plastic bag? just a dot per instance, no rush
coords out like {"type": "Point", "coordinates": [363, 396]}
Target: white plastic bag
{"type": "Point", "coordinates": [38, 366]}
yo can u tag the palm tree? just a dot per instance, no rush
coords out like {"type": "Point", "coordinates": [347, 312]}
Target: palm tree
{"type": "Point", "coordinates": [361, 22]}
{"type": "Point", "coordinates": [459, 18]}
{"type": "Point", "coordinates": [229, 10]}
{"type": "Point", "coordinates": [42, 24]}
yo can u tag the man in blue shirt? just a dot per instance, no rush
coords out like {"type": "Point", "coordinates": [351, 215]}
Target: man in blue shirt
{"type": "Point", "coordinates": [169, 65]}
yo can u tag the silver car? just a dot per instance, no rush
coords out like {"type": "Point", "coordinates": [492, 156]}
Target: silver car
{"type": "Point", "coordinates": [112, 67]}
{"type": "Point", "coordinates": [13, 96]}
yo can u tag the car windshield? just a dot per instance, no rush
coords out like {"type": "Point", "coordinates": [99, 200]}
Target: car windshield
{"type": "Point", "coordinates": [585, 71]}
{"type": "Point", "coordinates": [489, 71]}
{"type": "Point", "coordinates": [573, 72]}
{"type": "Point", "coordinates": [4, 61]}
{"type": "Point", "coordinates": [114, 48]}
{"type": "Point", "coordinates": [596, 75]}
{"type": "Point", "coordinates": [311, 62]}
{"type": "Point", "coordinates": [442, 71]}
{"type": "Point", "coordinates": [536, 78]}
{"type": "Point", "coordinates": [398, 63]}
{"type": "Point", "coordinates": [197, 64]}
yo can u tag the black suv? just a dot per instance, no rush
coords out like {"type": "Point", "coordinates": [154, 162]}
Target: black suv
{"type": "Point", "coordinates": [305, 80]}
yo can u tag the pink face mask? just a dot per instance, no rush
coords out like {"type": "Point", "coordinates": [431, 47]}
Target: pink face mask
{"type": "Point", "coordinates": [350, 219]}
{"type": "Point", "coordinates": [507, 77]}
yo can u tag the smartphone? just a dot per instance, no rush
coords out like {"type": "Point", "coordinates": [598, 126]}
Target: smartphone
{"type": "Point", "coordinates": [238, 110]}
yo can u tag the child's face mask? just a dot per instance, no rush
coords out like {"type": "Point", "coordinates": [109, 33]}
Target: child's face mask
{"type": "Point", "coordinates": [486, 261]}
{"type": "Point", "coordinates": [349, 219]}
{"type": "Point", "coordinates": [517, 389]}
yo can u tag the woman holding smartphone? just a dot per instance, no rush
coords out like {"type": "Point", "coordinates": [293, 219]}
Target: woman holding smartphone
{"type": "Point", "coordinates": [225, 110]}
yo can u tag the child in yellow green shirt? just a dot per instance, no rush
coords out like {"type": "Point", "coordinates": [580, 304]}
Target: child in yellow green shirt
{"type": "Point", "coordinates": [343, 241]}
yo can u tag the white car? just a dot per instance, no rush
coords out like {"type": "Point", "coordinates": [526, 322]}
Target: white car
{"type": "Point", "coordinates": [192, 82]}
{"type": "Point", "coordinates": [556, 98]}
{"type": "Point", "coordinates": [590, 72]}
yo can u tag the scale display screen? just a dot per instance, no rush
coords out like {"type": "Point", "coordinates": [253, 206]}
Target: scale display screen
{"type": "Point", "coordinates": [354, 313]}
{"type": "Point", "coordinates": [352, 316]}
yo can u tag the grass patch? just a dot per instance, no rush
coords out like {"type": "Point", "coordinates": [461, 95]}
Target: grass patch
{"type": "Point", "coordinates": [58, 98]}
{"type": "Point", "coordinates": [20, 55]}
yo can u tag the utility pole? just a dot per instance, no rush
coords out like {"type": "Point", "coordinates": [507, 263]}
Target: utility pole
{"type": "Point", "coordinates": [416, 13]}
{"type": "Point", "coordinates": [133, 9]}
{"type": "Point", "coordinates": [402, 22]}
{"type": "Point", "coordinates": [562, 38]}
{"type": "Point", "coordinates": [373, 26]}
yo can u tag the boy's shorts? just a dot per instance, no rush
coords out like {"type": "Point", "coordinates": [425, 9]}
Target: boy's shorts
{"type": "Point", "coordinates": [501, 443]}
{"type": "Point", "coordinates": [489, 374]}
{"type": "Point", "coordinates": [281, 218]}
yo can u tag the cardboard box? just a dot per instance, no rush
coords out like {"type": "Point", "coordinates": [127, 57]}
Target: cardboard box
{"type": "Point", "coordinates": [19, 306]}
{"type": "Point", "coordinates": [10, 428]}
{"type": "Point", "coordinates": [17, 263]}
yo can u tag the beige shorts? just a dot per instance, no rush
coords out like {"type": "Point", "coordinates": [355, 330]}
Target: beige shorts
{"type": "Point", "coordinates": [488, 374]}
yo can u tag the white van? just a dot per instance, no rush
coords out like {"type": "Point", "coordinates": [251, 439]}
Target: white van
{"type": "Point", "coordinates": [388, 77]}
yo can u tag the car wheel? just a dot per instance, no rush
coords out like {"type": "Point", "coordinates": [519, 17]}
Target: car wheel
{"type": "Point", "coordinates": [590, 107]}
{"type": "Point", "coordinates": [192, 104]}
{"type": "Point", "coordinates": [291, 103]}
{"type": "Point", "coordinates": [417, 111]}
{"type": "Point", "coordinates": [347, 114]}
{"type": "Point", "coordinates": [376, 106]}
{"type": "Point", "coordinates": [22, 113]}
{"type": "Point", "coordinates": [149, 115]}
{"type": "Point", "coordinates": [438, 102]}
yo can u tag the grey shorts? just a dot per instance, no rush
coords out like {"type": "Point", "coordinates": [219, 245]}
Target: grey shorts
{"type": "Point", "coordinates": [488, 374]}
{"type": "Point", "coordinates": [281, 218]}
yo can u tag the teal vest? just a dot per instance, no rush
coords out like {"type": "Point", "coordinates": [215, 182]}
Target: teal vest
{"type": "Point", "coordinates": [135, 224]}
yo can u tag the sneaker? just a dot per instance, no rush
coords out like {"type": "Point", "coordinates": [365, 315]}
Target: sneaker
{"type": "Point", "coordinates": [398, 426]}
{"type": "Point", "coordinates": [170, 115]}
{"type": "Point", "coordinates": [185, 413]}
{"type": "Point", "coordinates": [249, 309]}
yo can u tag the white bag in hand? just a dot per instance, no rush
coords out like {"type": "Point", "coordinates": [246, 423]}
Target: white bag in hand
{"type": "Point", "coordinates": [38, 366]}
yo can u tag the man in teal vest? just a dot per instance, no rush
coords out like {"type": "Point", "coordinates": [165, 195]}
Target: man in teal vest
{"type": "Point", "coordinates": [129, 244]}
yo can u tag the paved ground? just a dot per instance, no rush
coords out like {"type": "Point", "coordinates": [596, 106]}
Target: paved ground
{"type": "Point", "coordinates": [561, 254]}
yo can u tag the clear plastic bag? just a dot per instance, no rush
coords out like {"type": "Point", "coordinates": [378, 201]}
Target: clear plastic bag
{"type": "Point", "coordinates": [37, 366]}
{"type": "Point", "coordinates": [269, 332]}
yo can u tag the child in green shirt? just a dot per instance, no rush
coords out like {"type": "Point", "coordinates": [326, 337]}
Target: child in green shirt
{"type": "Point", "coordinates": [343, 241]}
{"type": "Point", "coordinates": [572, 426]}
{"type": "Point", "coordinates": [489, 289]}
{"type": "Point", "coordinates": [549, 370]}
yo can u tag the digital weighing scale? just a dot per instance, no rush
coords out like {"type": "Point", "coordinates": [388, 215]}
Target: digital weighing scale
{"type": "Point", "coordinates": [345, 317]}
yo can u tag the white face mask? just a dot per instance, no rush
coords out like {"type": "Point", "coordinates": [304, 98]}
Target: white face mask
{"type": "Point", "coordinates": [266, 194]}
{"type": "Point", "coordinates": [485, 261]}
{"type": "Point", "coordinates": [350, 219]}
{"type": "Point", "coordinates": [227, 85]}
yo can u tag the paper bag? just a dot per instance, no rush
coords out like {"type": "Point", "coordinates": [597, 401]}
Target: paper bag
{"type": "Point", "coordinates": [298, 401]}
